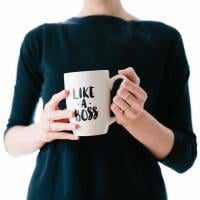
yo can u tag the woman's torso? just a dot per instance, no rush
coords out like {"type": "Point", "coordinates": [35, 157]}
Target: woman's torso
{"type": "Point", "coordinates": [115, 165]}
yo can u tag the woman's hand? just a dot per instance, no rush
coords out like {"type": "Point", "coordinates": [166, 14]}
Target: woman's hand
{"type": "Point", "coordinates": [54, 121]}
{"type": "Point", "coordinates": [22, 140]}
{"type": "Point", "coordinates": [129, 101]}
{"type": "Point", "coordinates": [128, 106]}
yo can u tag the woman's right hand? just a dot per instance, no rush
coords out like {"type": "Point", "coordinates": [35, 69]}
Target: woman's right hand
{"type": "Point", "coordinates": [54, 121]}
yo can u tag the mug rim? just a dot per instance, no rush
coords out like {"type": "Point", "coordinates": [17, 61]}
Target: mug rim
{"type": "Point", "coordinates": [87, 71]}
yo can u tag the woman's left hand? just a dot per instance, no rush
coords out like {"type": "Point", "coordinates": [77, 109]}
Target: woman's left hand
{"type": "Point", "coordinates": [129, 101]}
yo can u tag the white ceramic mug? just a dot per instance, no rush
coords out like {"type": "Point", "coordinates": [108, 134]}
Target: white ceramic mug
{"type": "Point", "coordinates": [89, 97]}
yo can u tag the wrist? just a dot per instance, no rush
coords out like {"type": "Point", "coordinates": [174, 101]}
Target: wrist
{"type": "Point", "coordinates": [142, 126]}
{"type": "Point", "coordinates": [157, 138]}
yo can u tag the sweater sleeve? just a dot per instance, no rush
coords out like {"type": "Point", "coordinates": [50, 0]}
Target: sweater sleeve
{"type": "Point", "coordinates": [174, 110]}
{"type": "Point", "coordinates": [28, 81]}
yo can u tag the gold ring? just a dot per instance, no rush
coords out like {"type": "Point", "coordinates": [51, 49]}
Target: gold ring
{"type": "Point", "coordinates": [127, 96]}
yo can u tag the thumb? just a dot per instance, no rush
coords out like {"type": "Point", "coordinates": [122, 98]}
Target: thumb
{"type": "Point", "coordinates": [130, 73]}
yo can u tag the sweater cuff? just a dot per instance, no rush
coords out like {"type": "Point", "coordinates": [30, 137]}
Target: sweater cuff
{"type": "Point", "coordinates": [176, 157]}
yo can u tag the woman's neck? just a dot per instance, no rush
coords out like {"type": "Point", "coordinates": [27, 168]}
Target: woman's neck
{"type": "Point", "coordinates": [104, 7]}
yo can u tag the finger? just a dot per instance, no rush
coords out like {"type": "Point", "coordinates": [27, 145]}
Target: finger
{"type": "Point", "coordinates": [134, 110]}
{"type": "Point", "coordinates": [126, 94]}
{"type": "Point", "coordinates": [119, 114]}
{"type": "Point", "coordinates": [59, 114]}
{"type": "Point", "coordinates": [136, 90]}
{"type": "Point", "coordinates": [130, 73]}
{"type": "Point", "coordinates": [58, 126]}
{"type": "Point", "coordinates": [129, 114]}
{"type": "Point", "coordinates": [55, 100]}
{"type": "Point", "coordinates": [131, 100]}
{"type": "Point", "coordinates": [121, 103]}
{"type": "Point", "coordinates": [60, 136]}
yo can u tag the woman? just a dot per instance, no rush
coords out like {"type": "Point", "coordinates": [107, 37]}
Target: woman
{"type": "Point", "coordinates": [122, 164]}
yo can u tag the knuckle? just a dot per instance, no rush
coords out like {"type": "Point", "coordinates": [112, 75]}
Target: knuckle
{"type": "Point", "coordinates": [113, 106]}
{"type": "Point", "coordinates": [131, 68]}
{"type": "Point", "coordinates": [54, 96]}
{"type": "Point", "coordinates": [145, 96]}
{"type": "Point", "coordinates": [120, 91]}
{"type": "Point", "coordinates": [133, 71]}
{"type": "Point", "coordinates": [125, 83]}
{"type": "Point", "coordinates": [115, 99]}
{"type": "Point", "coordinates": [138, 80]}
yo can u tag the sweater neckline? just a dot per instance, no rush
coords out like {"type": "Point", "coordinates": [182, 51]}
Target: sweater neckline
{"type": "Point", "coordinates": [103, 17]}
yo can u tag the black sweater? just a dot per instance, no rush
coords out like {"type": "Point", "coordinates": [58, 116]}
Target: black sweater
{"type": "Point", "coordinates": [115, 165]}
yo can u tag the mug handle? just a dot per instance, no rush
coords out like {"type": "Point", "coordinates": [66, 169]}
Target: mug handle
{"type": "Point", "coordinates": [111, 83]}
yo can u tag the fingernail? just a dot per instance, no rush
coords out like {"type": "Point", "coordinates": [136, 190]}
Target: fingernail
{"type": "Point", "coordinates": [72, 114]}
{"type": "Point", "coordinates": [67, 92]}
{"type": "Point", "coordinates": [76, 137]}
{"type": "Point", "coordinates": [76, 125]}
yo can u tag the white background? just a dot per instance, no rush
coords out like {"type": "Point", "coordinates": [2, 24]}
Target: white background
{"type": "Point", "coordinates": [18, 17]}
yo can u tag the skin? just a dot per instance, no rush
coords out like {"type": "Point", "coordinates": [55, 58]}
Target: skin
{"type": "Point", "coordinates": [157, 138]}
{"type": "Point", "coordinates": [136, 120]}
{"type": "Point", "coordinates": [105, 7]}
